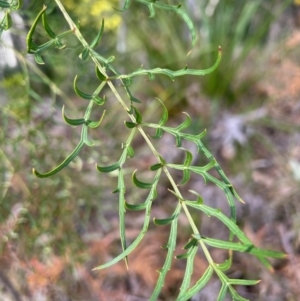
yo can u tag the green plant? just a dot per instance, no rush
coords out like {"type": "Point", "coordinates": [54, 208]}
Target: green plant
{"type": "Point", "coordinates": [10, 6]}
{"type": "Point", "coordinates": [108, 75]}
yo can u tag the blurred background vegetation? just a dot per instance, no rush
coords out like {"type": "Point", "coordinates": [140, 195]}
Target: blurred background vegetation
{"type": "Point", "coordinates": [55, 230]}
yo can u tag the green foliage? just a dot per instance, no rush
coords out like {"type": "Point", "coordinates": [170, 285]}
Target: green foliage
{"type": "Point", "coordinates": [8, 7]}
{"type": "Point", "coordinates": [108, 76]}
{"type": "Point", "coordinates": [252, 22]}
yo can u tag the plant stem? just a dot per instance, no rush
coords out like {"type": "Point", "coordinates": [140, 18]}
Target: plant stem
{"type": "Point", "coordinates": [84, 43]}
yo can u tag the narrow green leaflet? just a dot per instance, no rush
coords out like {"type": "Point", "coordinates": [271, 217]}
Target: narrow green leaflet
{"type": "Point", "coordinates": [31, 46]}
{"type": "Point", "coordinates": [98, 100]}
{"type": "Point", "coordinates": [139, 183]}
{"type": "Point", "coordinates": [237, 246]}
{"type": "Point", "coordinates": [259, 253]}
{"type": "Point", "coordinates": [171, 248]}
{"type": "Point", "coordinates": [7, 21]}
{"type": "Point", "coordinates": [98, 37]}
{"type": "Point", "coordinates": [122, 210]}
{"type": "Point", "coordinates": [185, 124]}
{"type": "Point", "coordinates": [188, 270]}
{"type": "Point", "coordinates": [4, 4]}
{"type": "Point", "coordinates": [173, 74]}
{"type": "Point", "coordinates": [173, 8]}
{"type": "Point", "coordinates": [74, 122]}
{"type": "Point", "coordinates": [152, 195]}
{"type": "Point", "coordinates": [198, 286]}
{"type": "Point", "coordinates": [123, 157]}
{"type": "Point", "coordinates": [222, 293]}
{"type": "Point", "coordinates": [226, 264]}
{"type": "Point", "coordinates": [69, 159]}
{"type": "Point", "coordinates": [47, 27]}
{"type": "Point", "coordinates": [164, 221]}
